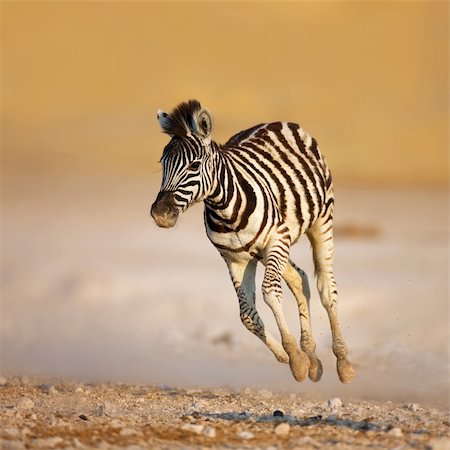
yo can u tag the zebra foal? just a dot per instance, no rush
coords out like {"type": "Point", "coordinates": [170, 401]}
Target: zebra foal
{"type": "Point", "coordinates": [262, 190]}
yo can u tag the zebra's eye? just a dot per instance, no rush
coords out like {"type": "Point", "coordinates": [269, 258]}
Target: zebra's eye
{"type": "Point", "coordinates": [194, 165]}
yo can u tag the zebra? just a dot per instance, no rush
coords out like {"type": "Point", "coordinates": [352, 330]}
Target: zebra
{"type": "Point", "coordinates": [263, 189]}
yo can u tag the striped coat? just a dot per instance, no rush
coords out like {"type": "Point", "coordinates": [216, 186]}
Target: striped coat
{"type": "Point", "coordinates": [262, 190]}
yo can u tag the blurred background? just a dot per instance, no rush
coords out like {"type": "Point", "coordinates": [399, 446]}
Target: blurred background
{"type": "Point", "coordinates": [91, 288]}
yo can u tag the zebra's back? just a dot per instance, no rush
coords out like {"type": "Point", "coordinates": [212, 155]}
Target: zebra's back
{"type": "Point", "coordinates": [285, 168]}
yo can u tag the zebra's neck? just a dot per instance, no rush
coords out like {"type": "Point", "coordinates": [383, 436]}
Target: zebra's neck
{"type": "Point", "coordinates": [221, 180]}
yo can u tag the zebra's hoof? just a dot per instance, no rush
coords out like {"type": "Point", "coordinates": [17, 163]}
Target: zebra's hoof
{"type": "Point", "coordinates": [315, 371]}
{"type": "Point", "coordinates": [345, 371]}
{"type": "Point", "coordinates": [299, 366]}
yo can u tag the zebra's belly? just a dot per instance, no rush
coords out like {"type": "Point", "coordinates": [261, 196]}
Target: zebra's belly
{"type": "Point", "coordinates": [254, 239]}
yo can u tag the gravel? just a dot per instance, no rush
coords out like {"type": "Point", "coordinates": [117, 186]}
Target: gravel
{"type": "Point", "coordinates": [119, 416]}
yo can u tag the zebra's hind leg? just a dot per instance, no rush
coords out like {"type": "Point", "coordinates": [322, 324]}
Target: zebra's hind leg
{"type": "Point", "coordinates": [321, 238]}
{"type": "Point", "coordinates": [243, 277]}
{"type": "Point", "coordinates": [275, 261]}
{"type": "Point", "coordinates": [297, 281]}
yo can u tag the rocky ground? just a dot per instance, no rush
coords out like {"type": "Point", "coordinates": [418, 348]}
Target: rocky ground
{"type": "Point", "coordinates": [52, 414]}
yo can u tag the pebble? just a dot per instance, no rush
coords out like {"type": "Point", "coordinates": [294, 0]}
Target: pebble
{"type": "Point", "coordinates": [413, 407]}
{"type": "Point", "coordinates": [282, 429]}
{"type": "Point", "coordinates": [11, 432]}
{"type": "Point", "coordinates": [334, 403]}
{"type": "Point", "coordinates": [209, 432]}
{"type": "Point", "coordinates": [25, 404]}
{"type": "Point", "coordinates": [79, 390]}
{"type": "Point", "coordinates": [50, 442]}
{"type": "Point", "coordinates": [306, 441]}
{"type": "Point", "coordinates": [245, 435]}
{"type": "Point", "coordinates": [115, 423]}
{"type": "Point", "coordinates": [396, 432]}
{"type": "Point", "coordinates": [442, 443]}
{"type": "Point", "coordinates": [193, 428]}
{"type": "Point", "coordinates": [128, 432]}
{"type": "Point", "coordinates": [265, 393]}
{"type": "Point", "coordinates": [11, 445]}
{"type": "Point", "coordinates": [298, 413]}
{"type": "Point", "coordinates": [111, 409]}
{"type": "Point", "coordinates": [278, 413]}
{"type": "Point", "coordinates": [3, 381]}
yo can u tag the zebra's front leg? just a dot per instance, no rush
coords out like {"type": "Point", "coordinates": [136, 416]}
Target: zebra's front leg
{"type": "Point", "coordinates": [297, 282]}
{"type": "Point", "coordinates": [243, 277]}
{"type": "Point", "coordinates": [276, 260]}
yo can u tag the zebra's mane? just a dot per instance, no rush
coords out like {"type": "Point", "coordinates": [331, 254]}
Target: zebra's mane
{"type": "Point", "coordinates": [181, 121]}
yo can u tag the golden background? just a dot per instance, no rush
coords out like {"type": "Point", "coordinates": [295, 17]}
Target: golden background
{"type": "Point", "coordinates": [81, 81]}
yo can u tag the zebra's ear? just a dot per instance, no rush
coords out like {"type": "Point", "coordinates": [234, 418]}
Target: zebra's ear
{"type": "Point", "coordinates": [163, 119]}
{"type": "Point", "coordinates": [203, 124]}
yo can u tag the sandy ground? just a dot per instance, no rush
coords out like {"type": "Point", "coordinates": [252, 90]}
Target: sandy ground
{"type": "Point", "coordinates": [92, 290]}
{"type": "Point", "coordinates": [45, 414]}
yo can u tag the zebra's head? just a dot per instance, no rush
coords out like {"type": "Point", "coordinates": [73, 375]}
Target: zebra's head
{"type": "Point", "coordinates": [187, 161]}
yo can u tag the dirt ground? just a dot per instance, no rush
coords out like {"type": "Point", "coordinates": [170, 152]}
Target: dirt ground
{"type": "Point", "coordinates": [47, 414]}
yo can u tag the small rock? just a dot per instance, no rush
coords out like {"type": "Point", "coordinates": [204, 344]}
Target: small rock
{"type": "Point", "coordinates": [209, 432]}
{"type": "Point", "coordinates": [52, 390]}
{"type": "Point", "coordinates": [79, 390]}
{"type": "Point", "coordinates": [265, 393]}
{"type": "Point", "coordinates": [245, 435]}
{"type": "Point", "coordinates": [282, 429]}
{"type": "Point", "coordinates": [396, 432]}
{"type": "Point", "coordinates": [11, 445]}
{"type": "Point", "coordinates": [334, 403]}
{"type": "Point", "coordinates": [99, 410]}
{"type": "Point", "coordinates": [306, 441]}
{"type": "Point", "coordinates": [441, 443]}
{"type": "Point", "coordinates": [50, 442]}
{"type": "Point", "coordinates": [111, 409]}
{"type": "Point", "coordinates": [25, 380]}
{"type": "Point", "coordinates": [193, 428]}
{"type": "Point", "coordinates": [3, 381]}
{"type": "Point", "coordinates": [83, 417]}
{"type": "Point", "coordinates": [278, 413]}
{"type": "Point", "coordinates": [413, 407]}
{"type": "Point", "coordinates": [115, 423]}
{"type": "Point", "coordinates": [298, 412]}
{"type": "Point", "coordinates": [128, 432]}
{"type": "Point", "coordinates": [11, 432]}
{"type": "Point", "coordinates": [25, 404]}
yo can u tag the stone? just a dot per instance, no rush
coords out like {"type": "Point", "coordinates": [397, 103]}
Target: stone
{"type": "Point", "coordinates": [306, 442]}
{"type": "Point", "coordinates": [282, 429]}
{"type": "Point", "coordinates": [128, 432]}
{"type": "Point", "coordinates": [278, 413]}
{"type": "Point", "coordinates": [11, 445]}
{"type": "Point", "coordinates": [53, 390]}
{"type": "Point", "coordinates": [334, 403]}
{"type": "Point", "coordinates": [298, 413]}
{"type": "Point", "coordinates": [3, 381]}
{"type": "Point", "coordinates": [441, 443]}
{"type": "Point", "coordinates": [115, 423]}
{"type": "Point", "coordinates": [50, 442]}
{"type": "Point", "coordinates": [25, 404]}
{"type": "Point", "coordinates": [396, 432]}
{"type": "Point", "coordinates": [265, 393]}
{"type": "Point", "coordinates": [413, 407]}
{"type": "Point", "coordinates": [11, 432]}
{"type": "Point", "coordinates": [193, 428]}
{"type": "Point", "coordinates": [209, 432]}
{"type": "Point", "coordinates": [245, 435]}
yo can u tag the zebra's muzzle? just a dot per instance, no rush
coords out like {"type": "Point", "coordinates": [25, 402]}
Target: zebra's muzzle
{"type": "Point", "coordinates": [164, 211]}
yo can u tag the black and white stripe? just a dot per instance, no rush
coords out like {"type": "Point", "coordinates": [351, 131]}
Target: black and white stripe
{"type": "Point", "coordinates": [262, 190]}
